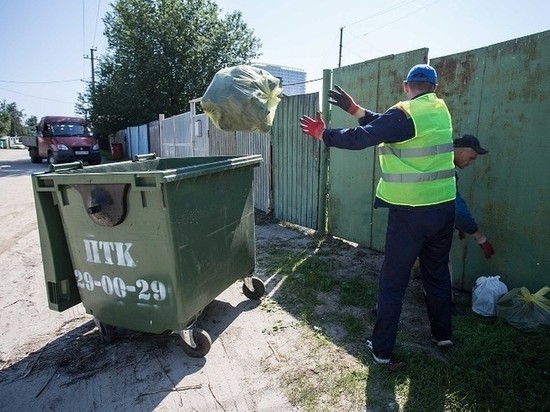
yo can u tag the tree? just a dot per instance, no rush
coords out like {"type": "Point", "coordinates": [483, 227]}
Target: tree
{"type": "Point", "coordinates": [31, 122]}
{"type": "Point", "coordinates": [5, 119]}
{"type": "Point", "coordinates": [161, 54]}
{"type": "Point", "coordinates": [12, 121]}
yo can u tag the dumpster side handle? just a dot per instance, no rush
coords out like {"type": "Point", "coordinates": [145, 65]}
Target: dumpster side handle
{"type": "Point", "coordinates": [66, 166]}
{"type": "Point", "coordinates": [148, 156]}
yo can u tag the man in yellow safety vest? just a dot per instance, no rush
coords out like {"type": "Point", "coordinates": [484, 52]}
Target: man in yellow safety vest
{"type": "Point", "coordinates": [418, 187]}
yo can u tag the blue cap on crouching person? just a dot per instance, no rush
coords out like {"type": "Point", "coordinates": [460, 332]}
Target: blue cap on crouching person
{"type": "Point", "coordinates": [470, 141]}
{"type": "Point", "coordinates": [422, 73]}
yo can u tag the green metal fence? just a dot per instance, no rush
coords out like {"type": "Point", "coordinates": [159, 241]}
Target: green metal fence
{"type": "Point", "coordinates": [500, 94]}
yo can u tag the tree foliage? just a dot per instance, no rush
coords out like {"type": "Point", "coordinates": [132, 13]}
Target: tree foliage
{"type": "Point", "coordinates": [161, 54]}
{"type": "Point", "coordinates": [13, 122]}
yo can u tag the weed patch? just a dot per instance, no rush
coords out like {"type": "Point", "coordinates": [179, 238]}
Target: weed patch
{"type": "Point", "coordinates": [330, 287]}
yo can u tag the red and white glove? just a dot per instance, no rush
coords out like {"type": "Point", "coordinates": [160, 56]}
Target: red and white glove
{"type": "Point", "coordinates": [313, 127]}
{"type": "Point", "coordinates": [486, 246]}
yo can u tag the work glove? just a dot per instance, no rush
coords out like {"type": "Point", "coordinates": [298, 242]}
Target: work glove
{"type": "Point", "coordinates": [313, 127]}
{"type": "Point", "coordinates": [486, 246]}
{"type": "Point", "coordinates": [340, 98]}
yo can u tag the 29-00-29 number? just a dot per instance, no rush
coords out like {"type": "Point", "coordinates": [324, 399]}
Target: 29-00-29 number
{"type": "Point", "coordinates": [155, 290]}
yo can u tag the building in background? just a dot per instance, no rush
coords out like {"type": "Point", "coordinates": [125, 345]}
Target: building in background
{"type": "Point", "coordinates": [293, 80]}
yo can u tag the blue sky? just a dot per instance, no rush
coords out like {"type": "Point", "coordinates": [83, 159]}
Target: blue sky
{"type": "Point", "coordinates": [43, 42]}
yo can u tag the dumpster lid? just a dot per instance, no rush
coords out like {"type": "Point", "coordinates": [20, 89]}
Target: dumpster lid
{"type": "Point", "coordinates": [161, 170]}
{"type": "Point", "coordinates": [221, 165]}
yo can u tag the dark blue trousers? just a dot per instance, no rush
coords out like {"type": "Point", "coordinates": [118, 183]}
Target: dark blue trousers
{"type": "Point", "coordinates": [425, 233]}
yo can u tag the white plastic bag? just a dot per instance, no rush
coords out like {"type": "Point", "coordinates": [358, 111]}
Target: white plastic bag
{"type": "Point", "coordinates": [486, 292]}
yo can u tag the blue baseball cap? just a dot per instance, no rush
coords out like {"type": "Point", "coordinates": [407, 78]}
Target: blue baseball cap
{"type": "Point", "coordinates": [422, 73]}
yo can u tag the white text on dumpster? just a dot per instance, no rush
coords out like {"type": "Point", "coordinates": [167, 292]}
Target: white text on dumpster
{"type": "Point", "coordinates": [116, 253]}
{"type": "Point", "coordinates": [98, 251]}
{"type": "Point", "coordinates": [147, 291]}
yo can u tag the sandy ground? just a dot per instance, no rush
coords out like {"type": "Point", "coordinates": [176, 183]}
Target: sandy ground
{"type": "Point", "coordinates": [56, 361]}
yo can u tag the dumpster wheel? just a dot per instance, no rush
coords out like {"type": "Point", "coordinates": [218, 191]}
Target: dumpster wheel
{"type": "Point", "coordinates": [196, 342]}
{"type": "Point", "coordinates": [106, 332]}
{"type": "Point", "coordinates": [253, 288]}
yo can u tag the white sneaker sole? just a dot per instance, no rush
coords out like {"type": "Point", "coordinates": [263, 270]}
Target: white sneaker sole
{"type": "Point", "coordinates": [442, 343]}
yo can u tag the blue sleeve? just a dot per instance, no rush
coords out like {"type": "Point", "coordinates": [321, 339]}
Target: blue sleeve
{"type": "Point", "coordinates": [463, 218]}
{"type": "Point", "coordinates": [391, 126]}
{"type": "Point", "coordinates": [368, 117]}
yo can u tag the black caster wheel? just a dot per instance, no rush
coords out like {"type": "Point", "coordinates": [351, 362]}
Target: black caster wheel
{"type": "Point", "coordinates": [196, 342]}
{"type": "Point", "coordinates": [258, 288]}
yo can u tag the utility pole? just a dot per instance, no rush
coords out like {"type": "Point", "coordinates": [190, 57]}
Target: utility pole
{"type": "Point", "coordinates": [91, 57]}
{"type": "Point", "coordinates": [340, 54]}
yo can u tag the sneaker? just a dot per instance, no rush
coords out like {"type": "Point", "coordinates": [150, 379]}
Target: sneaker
{"type": "Point", "coordinates": [391, 363]}
{"type": "Point", "coordinates": [445, 343]}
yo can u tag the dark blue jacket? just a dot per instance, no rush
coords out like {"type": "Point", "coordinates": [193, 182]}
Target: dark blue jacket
{"type": "Point", "coordinates": [463, 218]}
{"type": "Point", "coordinates": [375, 128]}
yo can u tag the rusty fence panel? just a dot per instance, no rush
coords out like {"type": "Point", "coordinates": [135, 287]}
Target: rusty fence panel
{"type": "Point", "coordinates": [501, 94]}
{"type": "Point", "coordinates": [497, 93]}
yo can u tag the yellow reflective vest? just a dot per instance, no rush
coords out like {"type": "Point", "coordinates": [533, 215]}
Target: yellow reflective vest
{"type": "Point", "coordinates": [420, 171]}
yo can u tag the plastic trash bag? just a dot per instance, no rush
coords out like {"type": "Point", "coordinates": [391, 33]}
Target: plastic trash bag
{"type": "Point", "coordinates": [525, 311]}
{"type": "Point", "coordinates": [242, 98]}
{"type": "Point", "coordinates": [485, 294]}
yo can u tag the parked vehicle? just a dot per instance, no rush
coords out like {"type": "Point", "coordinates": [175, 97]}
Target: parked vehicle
{"type": "Point", "coordinates": [61, 139]}
{"type": "Point", "coordinates": [15, 143]}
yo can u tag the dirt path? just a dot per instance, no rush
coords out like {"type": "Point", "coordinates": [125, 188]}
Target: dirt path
{"type": "Point", "coordinates": [262, 358]}
{"type": "Point", "coordinates": [55, 361]}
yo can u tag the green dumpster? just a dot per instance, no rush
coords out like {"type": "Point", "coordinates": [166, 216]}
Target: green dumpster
{"type": "Point", "coordinates": [147, 244]}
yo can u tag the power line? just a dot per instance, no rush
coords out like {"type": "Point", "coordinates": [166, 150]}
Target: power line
{"type": "Point", "coordinates": [96, 20]}
{"type": "Point", "coordinates": [40, 82]}
{"type": "Point", "coordinates": [36, 97]}
{"type": "Point", "coordinates": [83, 36]}
{"type": "Point", "coordinates": [404, 3]}
{"type": "Point", "coordinates": [307, 81]}
{"type": "Point", "coordinates": [403, 17]}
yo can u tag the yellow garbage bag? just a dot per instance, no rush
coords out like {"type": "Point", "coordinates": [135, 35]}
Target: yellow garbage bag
{"type": "Point", "coordinates": [242, 98]}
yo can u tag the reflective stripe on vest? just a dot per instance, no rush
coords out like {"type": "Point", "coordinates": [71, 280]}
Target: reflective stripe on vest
{"type": "Point", "coordinates": [423, 151]}
{"type": "Point", "coordinates": [416, 177]}
{"type": "Point", "coordinates": [420, 171]}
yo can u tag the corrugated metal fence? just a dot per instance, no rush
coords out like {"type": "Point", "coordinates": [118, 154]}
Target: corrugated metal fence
{"type": "Point", "coordinates": [501, 94]}
{"type": "Point", "coordinates": [498, 93]}
{"type": "Point", "coordinates": [296, 163]}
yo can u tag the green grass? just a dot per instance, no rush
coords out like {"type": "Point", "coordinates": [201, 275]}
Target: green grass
{"type": "Point", "coordinates": [492, 367]}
